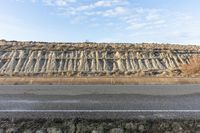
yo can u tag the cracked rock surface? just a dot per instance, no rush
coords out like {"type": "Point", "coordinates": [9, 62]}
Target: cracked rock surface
{"type": "Point", "coordinates": [86, 59]}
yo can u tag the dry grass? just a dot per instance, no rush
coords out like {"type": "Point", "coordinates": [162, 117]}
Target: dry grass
{"type": "Point", "coordinates": [193, 68]}
{"type": "Point", "coordinates": [102, 80]}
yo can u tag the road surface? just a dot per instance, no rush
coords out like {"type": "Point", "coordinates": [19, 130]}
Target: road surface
{"type": "Point", "coordinates": [100, 101]}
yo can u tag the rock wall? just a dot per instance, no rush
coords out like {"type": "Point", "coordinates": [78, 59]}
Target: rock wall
{"type": "Point", "coordinates": [33, 58]}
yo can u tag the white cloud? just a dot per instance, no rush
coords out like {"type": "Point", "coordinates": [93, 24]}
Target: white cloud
{"type": "Point", "coordinates": [100, 7]}
{"type": "Point", "coordinates": [58, 2]}
{"type": "Point", "coordinates": [131, 18]}
{"type": "Point", "coordinates": [152, 15]}
{"type": "Point", "coordinates": [109, 3]}
{"type": "Point", "coordinates": [114, 12]}
{"type": "Point", "coordinates": [141, 18]}
{"type": "Point", "coordinates": [81, 4]}
{"type": "Point", "coordinates": [103, 3]}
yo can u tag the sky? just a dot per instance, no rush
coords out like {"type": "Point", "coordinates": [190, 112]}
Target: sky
{"type": "Point", "coordinates": [123, 21]}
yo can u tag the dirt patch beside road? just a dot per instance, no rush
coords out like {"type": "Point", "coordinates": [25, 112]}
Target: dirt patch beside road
{"type": "Point", "coordinates": [99, 80]}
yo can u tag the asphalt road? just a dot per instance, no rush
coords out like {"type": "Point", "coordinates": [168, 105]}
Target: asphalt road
{"type": "Point", "coordinates": [100, 101]}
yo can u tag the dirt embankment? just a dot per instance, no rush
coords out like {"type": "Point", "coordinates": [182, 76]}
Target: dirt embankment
{"type": "Point", "coordinates": [54, 63]}
{"type": "Point", "coordinates": [92, 59]}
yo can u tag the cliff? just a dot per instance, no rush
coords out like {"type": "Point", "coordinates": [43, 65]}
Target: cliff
{"type": "Point", "coordinates": [92, 59]}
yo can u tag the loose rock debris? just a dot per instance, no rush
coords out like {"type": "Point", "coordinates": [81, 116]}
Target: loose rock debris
{"type": "Point", "coordinates": [99, 126]}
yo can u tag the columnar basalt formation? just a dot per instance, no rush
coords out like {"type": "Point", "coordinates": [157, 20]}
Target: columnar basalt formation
{"type": "Point", "coordinates": [84, 59]}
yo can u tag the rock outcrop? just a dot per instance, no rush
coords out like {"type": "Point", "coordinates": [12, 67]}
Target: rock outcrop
{"type": "Point", "coordinates": [84, 59]}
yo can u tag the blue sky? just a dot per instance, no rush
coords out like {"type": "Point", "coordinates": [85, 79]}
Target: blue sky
{"type": "Point", "coordinates": [161, 21]}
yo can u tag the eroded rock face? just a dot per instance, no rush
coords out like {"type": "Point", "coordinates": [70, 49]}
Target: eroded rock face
{"type": "Point", "coordinates": [33, 58]}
